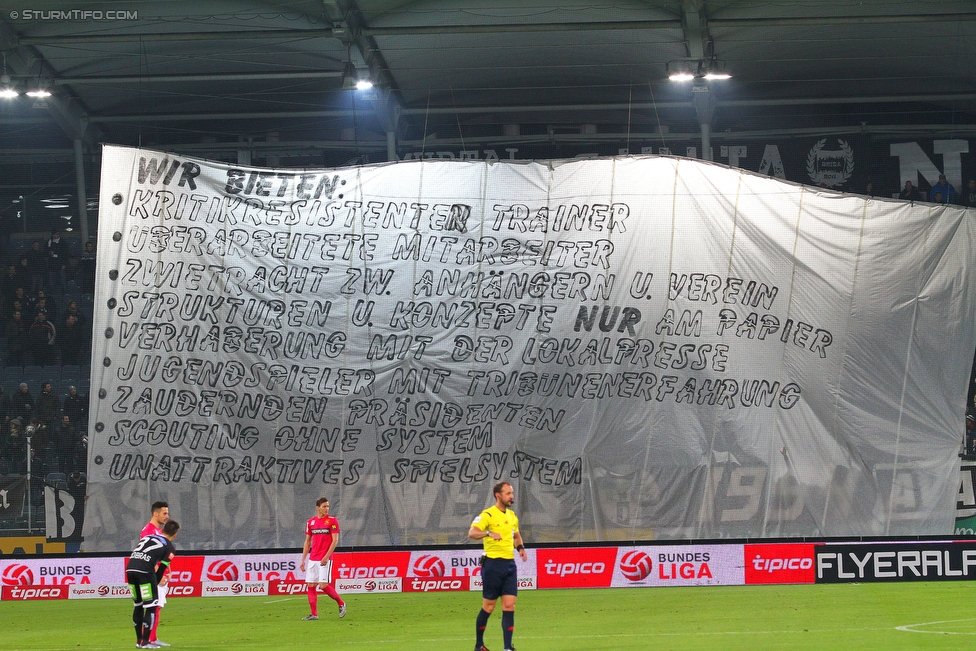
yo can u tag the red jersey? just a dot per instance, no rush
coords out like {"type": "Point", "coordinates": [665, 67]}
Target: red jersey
{"type": "Point", "coordinates": [321, 530]}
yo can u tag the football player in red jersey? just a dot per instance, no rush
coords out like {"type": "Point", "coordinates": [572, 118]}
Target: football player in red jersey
{"type": "Point", "coordinates": [321, 538]}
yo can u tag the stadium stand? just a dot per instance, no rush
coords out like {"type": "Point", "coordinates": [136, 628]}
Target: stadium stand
{"type": "Point", "coordinates": [52, 461]}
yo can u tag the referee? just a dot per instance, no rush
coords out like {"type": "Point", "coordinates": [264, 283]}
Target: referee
{"type": "Point", "coordinates": [498, 527]}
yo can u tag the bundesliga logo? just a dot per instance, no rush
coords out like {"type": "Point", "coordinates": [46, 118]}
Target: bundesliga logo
{"type": "Point", "coordinates": [103, 590]}
{"type": "Point", "coordinates": [222, 571]}
{"type": "Point", "coordinates": [18, 575]}
{"type": "Point", "coordinates": [636, 565]}
{"type": "Point", "coordinates": [428, 567]}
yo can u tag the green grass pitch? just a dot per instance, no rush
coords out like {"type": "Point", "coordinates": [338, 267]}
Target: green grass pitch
{"type": "Point", "coordinates": [854, 616]}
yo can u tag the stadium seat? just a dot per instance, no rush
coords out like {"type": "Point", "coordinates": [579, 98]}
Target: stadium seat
{"type": "Point", "coordinates": [52, 373]}
{"type": "Point", "coordinates": [86, 303]}
{"type": "Point", "coordinates": [10, 386]}
{"type": "Point", "coordinates": [58, 480]}
{"type": "Point", "coordinates": [70, 373]}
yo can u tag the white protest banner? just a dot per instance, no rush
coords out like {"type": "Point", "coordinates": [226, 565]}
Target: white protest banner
{"type": "Point", "coordinates": [644, 347]}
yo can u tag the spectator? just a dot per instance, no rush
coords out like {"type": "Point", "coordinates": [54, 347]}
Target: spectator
{"type": "Point", "coordinates": [42, 305]}
{"type": "Point", "coordinates": [50, 306]}
{"type": "Point", "coordinates": [942, 192]}
{"type": "Point", "coordinates": [869, 189]}
{"type": "Point", "coordinates": [909, 192]}
{"type": "Point", "coordinates": [15, 331]}
{"type": "Point", "coordinates": [24, 308]}
{"type": "Point", "coordinates": [4, 431]}
{"type": "Point", "coordinates": [77, 488]}
{"type": "Point", "coordinates": [12, 280]}
{"type": "Point", "coordinates": [36, 266]}
{"type": "Point", "coordinates": [64, 438]}
{"type": "Point", "coordinates": [71, 309]}
{"type": "Point", "coordinates": [17, 300]}
{"type": "Point", "coordinates": [78, 462]}
{"type": "Point", "coordinates": [36, 433]}
{"type": "Point", "coordinates": [14, 444]}
{"type": "Point", "coordinates": [23, 268]}
{"type": "Point", "coordinates": [47, 408]}
{"type": "Point", "coordinates": [42, 337]}
{"type": "Point", "coordinates": [22, 403]}
{"type": "Point", "coordinates": [11, 445]}
{"type": "Point", "coordinates": [72, 339]}
{"type": "Point", "coordinates": [75, 407]}
{"type": "Point", "coordinates": [35, 467]}
{"type": "Point", "coordinates": [969, 194]}
{"type": "Point", "coordinates": [5, 406]}
{"type": "Point", "coordinates": [59, 255]}
{"type": "Point", "coordinates": [86, 269]}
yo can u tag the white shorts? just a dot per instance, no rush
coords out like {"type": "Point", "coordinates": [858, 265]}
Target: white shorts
{"type": "Point", "coordinates": [162, 595]}
{"type": "Point", "coordinates": [315, 572]}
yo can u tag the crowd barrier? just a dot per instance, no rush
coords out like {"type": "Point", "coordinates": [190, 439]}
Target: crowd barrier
{"type": "Point", "coordinates": [450, 570]}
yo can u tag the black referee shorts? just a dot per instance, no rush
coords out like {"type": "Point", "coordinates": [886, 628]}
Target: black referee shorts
{"type": "Point", "coordinates": [498, 577]}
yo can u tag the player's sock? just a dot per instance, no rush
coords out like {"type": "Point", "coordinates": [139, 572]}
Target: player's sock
{"type": "Point", "coordinates": [313, 599]}
{"type": "Point", "coordinates": [148, 620]}
{"type": "Point", "coordinates": [508, 626]}
{"type": "Point", "coordinates": [329, 590]}
{"type": "Point", "coordinates": [479, 630]}
{"type": "Point", "coordinates": [137, 620]}
{"type": "Point", "coordinates": [152, 634]}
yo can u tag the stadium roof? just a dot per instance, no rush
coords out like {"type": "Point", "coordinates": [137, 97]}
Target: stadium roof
{"type": "Point", "coordinates": [270, 80]}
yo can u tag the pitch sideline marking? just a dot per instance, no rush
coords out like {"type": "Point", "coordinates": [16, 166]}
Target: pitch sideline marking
{"type": "Point", "coordinates": [613, 635]}
{"type": "Point", "coordinates": [579, 637]}
{"type": "Point", "coordinates": [910, 628]}
{"type": "Point", "coordinates": [278, 601]}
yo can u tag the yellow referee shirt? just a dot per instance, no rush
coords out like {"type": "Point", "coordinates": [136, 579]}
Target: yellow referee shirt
{"type": "Point", "coordinates": [503, 523]}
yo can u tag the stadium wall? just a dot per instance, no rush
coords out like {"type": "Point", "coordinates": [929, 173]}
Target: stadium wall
{"type": "Point", "coordinates": [225, 574]}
